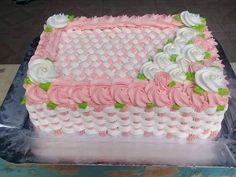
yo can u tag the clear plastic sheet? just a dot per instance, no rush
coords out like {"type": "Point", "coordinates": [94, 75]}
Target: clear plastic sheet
{"type": "Point", "coordinates": [21, 144]}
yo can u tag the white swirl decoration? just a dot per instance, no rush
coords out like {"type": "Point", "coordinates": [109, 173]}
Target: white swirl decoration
{"type": "Point", "coordinates": [210, 78]}
{"type": "Point", "coordinates": [183, 64]}
{"type": "Point", "coordinates": [193, 53]}
{"type": "Point", "coordinates": [190, 19]}
{"type": "Point", "coordinates": [149, 70]}
{"type": "Point", "coordinates": [186, 33]}
{"type": "Point", "coordinates": [162, 60]}
{"type": "Point", "coordinates": [171, 49]}
{"type": "Point", "coordinates": [176, 73]}
{"type": "Point", "coordinates": [57, 21]}
{"type": "Point", "coordinates": [41, 71]}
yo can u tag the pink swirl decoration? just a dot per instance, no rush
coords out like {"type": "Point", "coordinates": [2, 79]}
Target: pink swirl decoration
{"type": "Point", "coordinates": [214, 99]}
{"type": "Point", "coordinates": [80, 92]}
{"type": "Point", "coordinates": [35, 94]}
{"type": "Point", "coordinates": [119, 90]}
{"type": "Point", "coordinates": [60, 95]}
{"type": "Point", "coordinates": [182, 95]}
{"type": "Point", "coordinates": [158, 90]}
{"type": "Point", "coordinates": [206, 44]}
{"type": "Point", "coordinates": [100, 93]}
{"type": "Point", "coordinates": [162, 79]}
{"type": "Point", "coordinates": [137, 93]}
{"type": "Point", "coordinates": [199, 102]}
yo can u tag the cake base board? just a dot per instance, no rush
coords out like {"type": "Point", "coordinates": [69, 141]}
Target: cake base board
{"type": "Point", "coordinates": [139, 150]}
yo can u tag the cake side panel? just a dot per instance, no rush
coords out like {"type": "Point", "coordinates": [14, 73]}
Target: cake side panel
{"type": "Point", "coordinates": [182, 124]}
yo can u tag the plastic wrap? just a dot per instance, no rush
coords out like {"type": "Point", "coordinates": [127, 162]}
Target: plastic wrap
{"type": "Point", "coordinates": [21, 144]}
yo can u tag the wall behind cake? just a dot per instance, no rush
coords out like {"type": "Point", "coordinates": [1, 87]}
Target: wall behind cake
{"type": "Point", "coordinates": [19, 24]}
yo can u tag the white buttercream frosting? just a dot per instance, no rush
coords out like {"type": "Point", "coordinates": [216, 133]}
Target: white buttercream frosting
{"type": "Point", "coordinates": [57, 21]}
{"type": "Point", "coordinates": [183, 64]}
{"type": "Point", "coordinates": [193, 53]}
{"type": "Point", "coordinates": [162, 60]}
{"type": "Point", "coordinates": [176, 72]}
{"type": "Point", "coordinates": [171, 49]}
{"type": "Point", "coordinates": [210, 78]}
{"type": "Point", "coordinates": [149, 69]}
{"type": "Point", "coordinates": [41, 71]}
{"type": "Point", "coordinates": [186, 33]}
{"type": "Point", "coordinates": [190, 19]}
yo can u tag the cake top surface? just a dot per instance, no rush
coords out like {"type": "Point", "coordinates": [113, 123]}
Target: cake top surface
{"type": "Point", "coordinates": [151, 56]}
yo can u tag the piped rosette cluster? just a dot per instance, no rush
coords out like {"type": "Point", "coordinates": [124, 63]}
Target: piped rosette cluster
{"type": "Point", "coordinates": [190, 58]}
{"type": "Point", "coordinates": [122, 94]}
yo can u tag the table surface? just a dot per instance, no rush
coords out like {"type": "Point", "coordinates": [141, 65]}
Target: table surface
{"type": "Point", "coordinates": [28, 170]}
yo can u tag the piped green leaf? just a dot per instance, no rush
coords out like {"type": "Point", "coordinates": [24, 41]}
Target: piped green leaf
{"type": "Point", "coordinates": [150, 59]}
{"type": "Point", "coordinates": [199, 90]}
{"type": "Point", "coordinates": [223, 91]}
{"type": "Point", "coordinates": [173, 58]}
{"type": "Point", "coordinates": [178, 18]}
{"type": "Point", "coordinates": [220, 108]}
{"type": "Point", "coordinates": [150, 105]}
{"type": "Point", "coordinates": [141, 76]}
{"type": "Point", "coordinates": [190, 76]}
{"type": "Point", "coordinates": [175, 107]}
{"type": "Point", "coordinates": [170, 41]}
{"type": "Point", "coordinates": [190, 41]}
{"type": "Point", "coordinates": [207, 55]}
{"type": "Point", "coordinates": [202, 35]}
{"type": "Point", "coordinates": [23, 100]}
{"type": "Point", "coordinates": [45, 86]}
{"type": "Point", "coordinates": [51, 105]}
{"type": "Point", "coordinates": [48, 29]}
{"type": "Point", "coordinates": [49, 59]}
{"type": "Point", "coordinates": [203, 20]}
{"type": "Point", "coordinates": [71, 17]}
{"type": "Point", "coordinates": [172, 84]}
{"type": "Point", "coordinates": [159, 50]}
{"type": "Point", "coordinates": [27, 81]}
{"type": "Point", "coordinates": [83, 105]}
{"type": "Point", "coordinates": [119, 105]}
{"type": "Point", "coordinates": [199, 28]}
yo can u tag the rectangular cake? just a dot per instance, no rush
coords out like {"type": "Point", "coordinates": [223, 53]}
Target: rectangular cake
{"type": "Point", "coordinates": [151, 75]}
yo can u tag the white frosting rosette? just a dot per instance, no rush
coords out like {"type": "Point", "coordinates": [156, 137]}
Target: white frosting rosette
{"type": "Point", "coordinates": [162, 60]}
{"type": "Point", "coordinates": [149, 69]}
{"type": "Point", "coordinates": [183, 64]}
{"type": "Point", "coordinates": [41, 71]}
{"type": "Point", "coordinates": [190, 19]}
{"type": "Point", "coordinates": [210, 78]}
{"type": "Point", "coordinates": [57, 21]}
{"type": "Point", "coordinates": [193, 53]}
{"type": "Point", "coordinates": [171, 49]}
{"type": "Point", "coordinates": [186, 33]}
{"type": "Point", "coordinates": [176, 72]}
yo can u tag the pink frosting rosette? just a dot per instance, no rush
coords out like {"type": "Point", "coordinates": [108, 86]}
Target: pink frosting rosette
{"type": "Point", "coordinates": [181, 95]}
{"type": "Point", "coordinates": [162, 79]}
{"type": "Point", "coordinates": [80, 92]}
{"type": "Point", "coordinates": [100, 93]}
{"type": "Point", "coordinates": [119, 90]}
{"type": "Point", "coordinates": [198, 102]}
{"type": "Point", "coordinates": [158, 90]}
{"type": "Point", "coordinates": [35, 94]}
{"type": "Point", "coordinates": [215, 99]}
{"type": "Point", "coordinates": [137, 93]}
{"type": "Point", "coordinates": [206, 44]}
{"type": "Point", "coordinates": [59, 94]}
